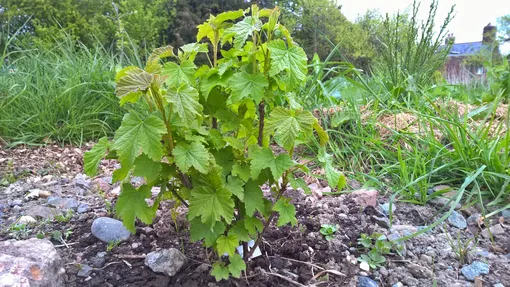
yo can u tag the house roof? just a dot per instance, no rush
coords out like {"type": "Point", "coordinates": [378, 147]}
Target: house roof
{"type": "Point", "coordinates": [465, 49]}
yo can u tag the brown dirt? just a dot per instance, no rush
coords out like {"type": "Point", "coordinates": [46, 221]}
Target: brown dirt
{"type": "Point", "coordinates": [291, 252]}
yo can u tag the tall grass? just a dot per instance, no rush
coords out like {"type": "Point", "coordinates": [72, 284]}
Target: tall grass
{"type": "Point", "coordinates": [412, 49]}
{"type": "Point", "coordinates": [64, 95]}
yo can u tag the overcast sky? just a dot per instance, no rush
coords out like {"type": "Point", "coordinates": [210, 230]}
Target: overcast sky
{"type": "Point", "coordinates": [467, 26]}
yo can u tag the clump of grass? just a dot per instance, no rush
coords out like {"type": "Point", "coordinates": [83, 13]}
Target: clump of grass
{"type": "Point", "coordinates": [64, 95]}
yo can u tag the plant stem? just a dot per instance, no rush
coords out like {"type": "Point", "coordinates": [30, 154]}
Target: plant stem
{"type": "Point", "coordinates": [178, 196]}
{"type": "Point", "coordinates": [262, 112]}
{"type": "Point", "coordinates": [283, 188]}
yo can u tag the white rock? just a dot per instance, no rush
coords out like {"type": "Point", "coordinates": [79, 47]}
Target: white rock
{"type": "Point", "coordinates": [364, 266]}
{"type": "Point", "coordinates": [26, 220]}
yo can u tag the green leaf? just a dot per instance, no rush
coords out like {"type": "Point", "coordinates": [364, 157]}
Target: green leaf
{"type": "Point", "coordinates": [93, 157]}
{"type": "Point", "coordinates": [244, 85]}
{"type": "Point", "coordinates": [243, 29]}
{"type": "Point", "coordinates": [227, 244]}
{"type": "Point", "coordinates": [146, 167]}
{"type": "Point", "coordinates": [253, 198]}
{"type": "Point", "coordinates": [242, 171]}
{"type": "Point", "coordinates": [191, 155]}
{"type": "Point", "coordinates": [132, 80]}
{"type": "Point", "coordinates": [211, 205]}
{"type": "Point", "coordinates": [264, 158]}
{"type": "Point", "coordinates": [179, 74]}
{"type": "Point", "coordinates": [136, 135]}
{"type": "Point", "coordinates": [288, 124]}
{"type": "Point", "coordinates": [219, 272]}
{"type": "Point", "coordinates": [253, 224]}
{"type": "Point", "coordinates": [333, 176]}
{"type": "Point", "coordinates": [292, 60]}
{"type": "Point", "coordinates": [121, 173]}
{"type": "Point", "coordinates": [239, 229]}
{"type": "Point", "coordinates": [296, 183]}
{"type": "Point", "coordinates": [287, 212]}
{"type": "Point", "coordinates": [236, 265]}
{"type": "Point", "coordinates": [200, 230]}
{"type": "Point", "coordinates": [227, 16]}
{"type": "Point", "coordinates": [185, 103]}
{"type": "Point", "coordinates": [131, 205]}
{"type": "Point", "coordinates": [153, 65]}
{"type": "Point", "coordinates": [323, 136]}
{"type": "Point", "coordinates": [235, 185]}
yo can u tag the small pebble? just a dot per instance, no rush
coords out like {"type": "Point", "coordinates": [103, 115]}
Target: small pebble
{"type": "Point", "coordinates": [474, 269]}
{"type": "Point", "coordinates": [26, 220]}
{"type": "Point", "coordinates": [456, 219]}
{"type": "Point", "coordinates": [85, 271]}
{"type": "Point", "coordinates": [364, 281]}
{"type": "Point", "coordinates": [386, 208]}
{"type": "Point", "coordinates": [108, 229]}
{"type": "Point", "coordinates": [83, 208]}
{"type": "Point", "coordinates": [15, 202]}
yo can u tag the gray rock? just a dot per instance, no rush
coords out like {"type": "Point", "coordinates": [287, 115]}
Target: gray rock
{"type": "Point", "coordinates": [108, 229]}
{"type": "Point", "coordinates": [98, 262]}
{"type": "Point", "coordinates": [473, 219]}
{"type": "Point", "coordinates": [440, 202]}
{"type": "Point", "coordinates": [499, 285]}
{"type": "Point", "coordinates": [496, 230]}
{"type": "Point", "coordinates": [398, 284]}
{"type": "Point", "coordinates": [456, 219]}
{"type": "Point", "coordinates": [85, 271]}
{"type": "Point", "coordinates": [17, 188]}
{"type": "Point", "coordinates": [43, 212]}
{"type": "Point", "coordinates": [404, 230]}
{"type": "Point", "coordinates": [82, 181]}
{"type": "Point", "coordinates": [32, 262]}
{"type": "Point", "coordinates": [16, 208]}
{"type": "Point", "coordinates": [167, 261]}
{"type": "Point", "coordinates": [63, 203]}
{"type": "Point", "coordinates": [83, 208]}
{"type": "Point", "coordinates": [474, 269]}
{"type": "Point", "coordinates": [383, 221]}
{"type": "Point", "coordinates": [15, 202]}
{"type": "Point", "coordinates": [364, 281]}
{"type": "Point", "coordinates": [386, 208]}
{"type": "Point", "coordinates": [419, 271]}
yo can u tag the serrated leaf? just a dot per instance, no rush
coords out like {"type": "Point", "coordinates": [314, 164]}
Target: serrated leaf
{"type": "Point", "coordinates": [179, 74]}
{"type": "Point", "coordinates": [132, 80]}
{"type": "Point", "coordinates": [323, 136]}
{"type": "Point", "coordinates": [216, 139]}
{"type": "Point", "coordinates": [264, 158]}
{"type": "Point", "coordinates": [211, 205]}
{"type": "Point", "coordinates": [227, 16]}
{"type": "Point", "coordinates": [146, 167]}
{"type": "Point", "coordinates": [235, 185]}
{"type": "Point", "coordinates": [200, 230]}
{"type": "Point", "coordinates": [239, 229]}
{"type": "Point", "coordinates": [291, 59]}
{"type": "Point", "coordinates": [236, 265]}
{"type": "Point", "coordinates": [227, 244]}
{"type": "Point", "coordinates": [93, 157]}
{"type": "Point", "coordinates": [205, 30]}
{"type": "Point", "coordinates": [244, 85]}
{"type": "Point", "coordinates": [131, 205]}
{"type": "Point", "coordinates": [286, 211]}
{"type": "Point", "coordinates": [153, 65]}
{"type": "Point", "coordinates": [136, 135]}
{"type": "Point", "coordinates": [243, 29]}
{"type": "Point", "coordinates": [121, 173]}
{"type": "Point", "coordinates": [191, 155]}
{"type": "Point", "coordinates": [219, 272]}
{"type": "Point", "coordinates": [334, 177]}
{"type": "Point", "coordinates": [296, 183]}
{"type": "Point", "coordinates": [224, 158]}
{"type": "Point", "coordinates": [253, 198]}
{"type": "Point", "coordinates": [242, 171]}
{"type": "Point", "coordinates": [287, 125]}
{"type": "Point", "coordinates": [253, 224]}
{"type": "Point", "coordinates": [185, 103]}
